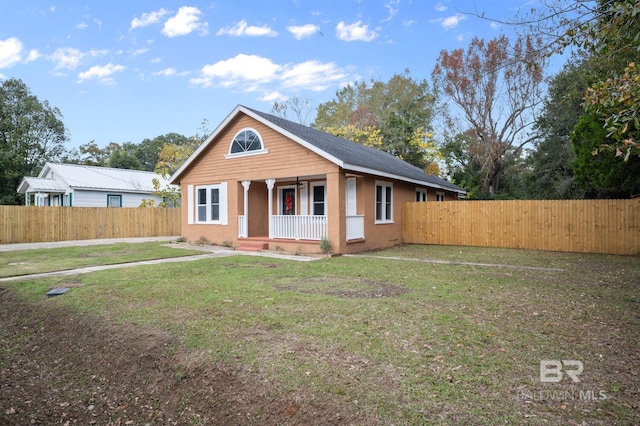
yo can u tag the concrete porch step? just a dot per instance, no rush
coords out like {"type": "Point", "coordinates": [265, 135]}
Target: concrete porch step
{"type": "Point", "coordinates": [252, 246]}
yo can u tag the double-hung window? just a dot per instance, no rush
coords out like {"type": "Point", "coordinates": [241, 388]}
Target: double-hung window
{"type": "Point", "coordinates": [384, 202]}
{"type": "Point", "coordinates": [318, 198]}
{"type": "Point", "coordinates": [211, 204]}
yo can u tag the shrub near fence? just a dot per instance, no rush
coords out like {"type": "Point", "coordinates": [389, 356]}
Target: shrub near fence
{"type": "Point", "coordinates": [28, 224]}
{"type": "Point", "coordinates": [588, 226]}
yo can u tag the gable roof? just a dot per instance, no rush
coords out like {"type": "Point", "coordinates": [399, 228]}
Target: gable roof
{"type": "Point", "coordinates": [40, 184]}
{"type": "Point", "coordinates": [77, 176]}
{"type": "Point", "coordinates": [347, 154]}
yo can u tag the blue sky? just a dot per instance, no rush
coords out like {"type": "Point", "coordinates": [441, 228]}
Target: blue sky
{"type": "Point", "coordinates": [123, 71]}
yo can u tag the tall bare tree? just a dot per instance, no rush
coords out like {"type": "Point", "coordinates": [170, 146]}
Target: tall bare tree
{"type": "Point", "coordinates": [494, 88]}
{"type": "Point", "coordinates": [295, 109]}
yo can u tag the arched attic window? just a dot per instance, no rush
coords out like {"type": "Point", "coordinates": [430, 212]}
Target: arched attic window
{"type": "Point", "coordinates": [246, 142]}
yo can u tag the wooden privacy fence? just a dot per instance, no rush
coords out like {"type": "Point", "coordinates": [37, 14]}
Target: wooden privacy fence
{"type": "Point", "coordinates": [588, 226]}
{"type": "Point", "coordinates": [27, 224]}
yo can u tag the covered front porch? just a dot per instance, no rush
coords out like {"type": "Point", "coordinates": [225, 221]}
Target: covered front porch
{"type": "Point", "coordinates": [302, 209]}
{"type": "Point", "coordinates": [44, 192]}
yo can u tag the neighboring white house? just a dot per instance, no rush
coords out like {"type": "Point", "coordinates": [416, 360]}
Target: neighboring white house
{"type": "Point", "coordinates": [89, 186]}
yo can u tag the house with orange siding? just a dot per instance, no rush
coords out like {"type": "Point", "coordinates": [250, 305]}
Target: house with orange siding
{"type": "Point", "coordinates": [263, 182]}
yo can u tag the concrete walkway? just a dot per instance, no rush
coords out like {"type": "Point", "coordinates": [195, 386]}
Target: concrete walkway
{"type": "Point", "coordinates": [81, 243]}
{"type": "Point", "coordinates": [209, 252]}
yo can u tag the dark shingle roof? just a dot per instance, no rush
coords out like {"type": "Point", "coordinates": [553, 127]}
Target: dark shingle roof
{"type": "Point", "coordinates": [354, 154]}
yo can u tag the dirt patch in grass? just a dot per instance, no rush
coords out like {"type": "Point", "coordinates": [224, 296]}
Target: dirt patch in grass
{"type": "Point", "coordinates": [63, 367]}
{"type": "Point", "coordinates": [350, 287]}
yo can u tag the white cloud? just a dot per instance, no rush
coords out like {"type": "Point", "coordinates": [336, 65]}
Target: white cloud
{"type": "Point", "coordinates": [33, 55]}
{"type": "Point", "coordinates": [242, 29]}
{"type": "Point", "coordinates": [139, 52]}
{"type": "Point", "coordinates": [148, 19]}
{"type": "Point", "coordinates": [81, 26]}
{"type": "Point", "coordinates": [303, 31]}
{"type": "Point", "coordinates": [10, 52]}
{"type": "Point", "coordinates": [311, 75]}
{"type": "Point", "coordinates": [170, 72]}
{"type": "Point", "coordinates": [241, 68]}
{"type": "Point", "coordinates": [186, 21]}
{"type": "Point", "coordinates": [392, 11]}
{"type": "Point", "coordinates": [251, 73]}
{"type": "Point", "coordinates": [354, 32]}
{"type": "Point", "coordinates": [101, 73]}
{"type": "Point", "coordinates": [66, 58]}
{"type": "Point", "coordinates": [452, 21]}
{"type": "Point", "coordinates": [495, 25]}
{"type": "Point", "coordinates": [408, 23]}
{"type": "Point", "coordinates": [274, 96]}
{"type": "Point", "coordinates": [440, 7]}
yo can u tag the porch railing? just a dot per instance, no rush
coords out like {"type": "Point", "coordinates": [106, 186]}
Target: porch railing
{"type": "Point", "coordinates": [355, 227]}
{"type": "Point", "coordinates": [300, 227]}
{"type": "Point", "coordinates": [242, 227]}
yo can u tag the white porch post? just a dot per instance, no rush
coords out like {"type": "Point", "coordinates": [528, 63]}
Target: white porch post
{"type": "Point", "coordinates": [246, 184]}
{"type": "Point", "coordinates": [270, 184]}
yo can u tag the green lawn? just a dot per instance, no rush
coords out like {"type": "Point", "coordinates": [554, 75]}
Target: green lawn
{"type": "Point", "coordinates": [25, 262]}
{"type": "Point", "coordinates": [398, 342]}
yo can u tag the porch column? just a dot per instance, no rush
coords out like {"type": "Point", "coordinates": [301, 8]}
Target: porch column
{"type": "Point", "coordinates": [246, 184]}
{"type": "Point", "coordinates": [270, 184]}
{"type": "Point", "coordinates": [336, 214]}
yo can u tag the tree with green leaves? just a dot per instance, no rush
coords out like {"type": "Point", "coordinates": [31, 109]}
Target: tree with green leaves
{"type": "Point", "coordinates": [394, 116]}
{"type": "Point", "coordinates": [31, 133]}
{"type": "Point", "coordinates": [602, 175]}
{"type": "Point", "coordinates": [92, 155]}
{"type": "Point", "coordinates": [174, 153]}
{"type": "Point", "coordinates": [148, 150]}
{"type": "Point", "coordinates": [123, 159]}
{"type": "Point", "coordinates": [550, 174]}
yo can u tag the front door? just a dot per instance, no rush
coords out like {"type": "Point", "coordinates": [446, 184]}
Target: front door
{"type": "Point", "coordinates": [288, 202]}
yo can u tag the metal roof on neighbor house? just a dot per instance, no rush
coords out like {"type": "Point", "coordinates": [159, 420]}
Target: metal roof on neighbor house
{"type": "Point", "coordinates": [40, 184]}
{"type": "Point", "coordinates": [101, 178]}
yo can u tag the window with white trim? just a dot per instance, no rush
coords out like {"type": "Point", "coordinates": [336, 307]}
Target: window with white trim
{"type": "Point", "coordinates": [421, 194]}
{"type": "Point", "coordinates": [439, 196]}
{"type": "Point", "coordinates": [384, 202]}
{"type": "Point", "coordinates": [246, 142]}
{"type": "Point", "coordinates": [211, 204]}
{"type": "Point", "coordinates": [114, 200]}
{"type": "Point", "coordinates": [318, 198]}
